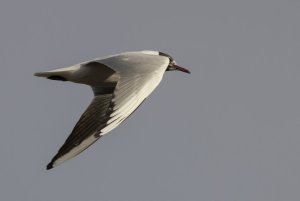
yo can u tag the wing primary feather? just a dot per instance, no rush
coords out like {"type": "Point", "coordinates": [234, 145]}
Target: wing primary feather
{"type": "Point", "coordinates": [94, 118]}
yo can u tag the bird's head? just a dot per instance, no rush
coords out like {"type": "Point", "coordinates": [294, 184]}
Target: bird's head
{"type": "Point", "coordinates": [172, 64]}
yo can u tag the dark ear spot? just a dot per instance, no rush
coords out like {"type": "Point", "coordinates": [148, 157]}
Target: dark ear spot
{"type": "Point", "coordinates": [57, 77]}
{"type": "Point", "coordinates": [166, 55]}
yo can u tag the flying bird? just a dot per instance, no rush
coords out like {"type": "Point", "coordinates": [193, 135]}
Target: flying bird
{"type": "Point", "coordinates": [120, 84]}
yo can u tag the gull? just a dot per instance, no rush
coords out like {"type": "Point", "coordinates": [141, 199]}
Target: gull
{"type": "Point", "coordinates": [120, 84]}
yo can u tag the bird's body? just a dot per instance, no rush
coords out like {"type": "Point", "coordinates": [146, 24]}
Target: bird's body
{"type": "Point", "coordinates": [120, 84]}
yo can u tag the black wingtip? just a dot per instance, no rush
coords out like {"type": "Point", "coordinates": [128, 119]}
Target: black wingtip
{"type": "Point", "coordinates": [57, 77]}
{"type": "Point", "coordinates": [50, 166]}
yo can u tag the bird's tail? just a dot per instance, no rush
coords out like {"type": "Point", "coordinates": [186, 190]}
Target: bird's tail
{"type": "Point", "coordinates": [61, 74]}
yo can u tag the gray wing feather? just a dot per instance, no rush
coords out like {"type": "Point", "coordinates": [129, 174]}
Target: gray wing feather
{"type": "Point", "coordinates": [88, 127]}
{"type": "Point", "coordinates": [139, 76]}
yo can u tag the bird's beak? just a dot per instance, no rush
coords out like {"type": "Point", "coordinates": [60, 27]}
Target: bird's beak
{"type": "Point", "coordinates": [176, 67]}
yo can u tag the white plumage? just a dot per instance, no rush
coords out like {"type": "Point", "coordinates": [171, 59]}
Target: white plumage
{"type": "Point", "coordinates": [120, 84]}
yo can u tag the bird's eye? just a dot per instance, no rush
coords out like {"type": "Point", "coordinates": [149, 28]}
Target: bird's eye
{"type": "Point", "coordinates": [172, 63]}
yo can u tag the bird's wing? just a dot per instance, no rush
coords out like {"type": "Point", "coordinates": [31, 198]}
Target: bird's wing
{"type": "Point", "coordinates": [86, 130]}
{"type": "Point", "coordinates": [138, 77]}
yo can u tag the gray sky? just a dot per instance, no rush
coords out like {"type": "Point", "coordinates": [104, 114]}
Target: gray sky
{"type": "Point", "coordinates": [227, 132]}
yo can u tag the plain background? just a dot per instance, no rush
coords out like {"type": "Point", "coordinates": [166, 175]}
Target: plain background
{"type": "Point", "coordinates": [227, 132]}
